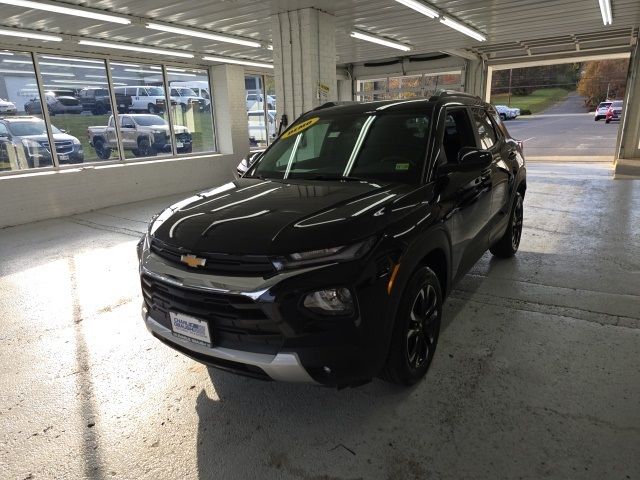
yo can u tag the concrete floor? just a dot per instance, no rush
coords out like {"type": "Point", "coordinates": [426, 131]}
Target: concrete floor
{"type": "Point", "coordinates": [537, 374]}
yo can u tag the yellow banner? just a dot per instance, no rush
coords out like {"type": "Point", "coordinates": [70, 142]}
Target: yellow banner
{"type": "Point", "coordinates": [301, 127]}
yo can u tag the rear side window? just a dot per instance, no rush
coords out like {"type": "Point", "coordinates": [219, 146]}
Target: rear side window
{"type": "Point", "coordinates": [484, 127]}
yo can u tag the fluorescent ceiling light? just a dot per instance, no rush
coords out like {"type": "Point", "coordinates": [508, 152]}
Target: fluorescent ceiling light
{"type": "Point", "coordinates": [81, 82]}
{"type": "Point", "coordinates": [420, 8]}
{"type": "Point", "coordinates": [462, 28]}
{"type": "Point", "coordinates": [53, 74]}
{"type": "Point", "coordinates": [51, 64]}
{"type": "Point", "coordinates": [605, 9]}
{"type": "Point", "coordinates": [175, 74]}
{"type": "Point", "coordinates": [133, 70]}
{"type": "Point", "coordinates": [380, 41]}
{"type": "Point", "coordinates": [169, 69]}
{"type": "Point", "coordinates": [236, 61]}
{"type": "Point", "coordinates": [67, 59]}
{"type": "Point", "coordinates": [24, 34]}
{"type": "Point", "coordinates": [17, 71]}
{"type": "Point", "coordinates": [8, 54]}
{"type": "Point", "coordinates": [135, 48]}
{"type": "Point", "coordinates": [126, 65]}
{"type": "Point", "coordinates": [202, 34]}
{"type": "Point", "coordinates": [76, 12]}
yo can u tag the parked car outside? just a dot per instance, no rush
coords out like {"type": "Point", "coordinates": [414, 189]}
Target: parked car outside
{"type": "Point", "coordinates": [507, 113]}
{"type": "Point", "coordinates": [200, 87]}
{"type": "Point", "coordinates": [257, 127]}
{"type": "Point", "coordinates": [255, 102]}
{"type": "Point", "coordinates": [328, 262]}
{"type": "Point", "coordinates": [58, 102]}
{"type": "Point", "coordinates": [601, 110]}
{"type": "Point", "coordinates": [184, 97]}
{"type": "Point", "coordinates": [614, 112]}
{"type": "Point", "coordinates": [98, 101]}
{"type": "Point", "coordinates": [29, 136]}
{"type": "Point", "coordinates": [143, 98]}
{"type": "Point", "coordinates": [7, 107]}
{"type": "Point", "coordinates": [144, 135]}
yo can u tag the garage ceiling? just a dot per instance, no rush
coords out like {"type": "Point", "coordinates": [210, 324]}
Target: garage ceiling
{"type": "Point", "coordinates": [513, 27]}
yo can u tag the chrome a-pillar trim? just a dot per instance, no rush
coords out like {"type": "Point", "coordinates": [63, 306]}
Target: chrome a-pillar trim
{"type": "Point", "coordinates": [283, 367]}
{"type": "Point", "coordinates": [252, 287]}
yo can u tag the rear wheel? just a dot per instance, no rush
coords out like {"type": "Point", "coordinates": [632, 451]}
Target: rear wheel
{"type": "Point", "coordinates": [103, 151]}
{"type": "Point", "coordinates": [416, 329]}
{"type": "Point", "coordinates": [152, 108]}
{"type": "Point", "coordinates": [503, 117]}
{"type": "Point", "coordinates": [607, 121]}
{"type": "Point", "coordinates": [508, 244]}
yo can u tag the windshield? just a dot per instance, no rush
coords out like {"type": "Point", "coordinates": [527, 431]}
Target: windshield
{"type": "Point", "coordinates": [187, 92]}
{"type": "Point", "coordinates": [370, 146]}
{"type": "Point", "coordinates": [616, 104]}
{"type": "Point", "coordinates": [148, 120]}
{"type": "Point", "coordinates": [604, 104]}
{"type": "Point", "coordinates": [23, 129]}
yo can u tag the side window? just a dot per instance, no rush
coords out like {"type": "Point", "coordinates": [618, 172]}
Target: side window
{"type": "Point", "coordinates": [484, 127]}
{"type": "Point", "coordinates": [311, 142]}
{"type": "Point", "coordinates": [458, 133]}
{"type": "Point", "coordinates": [127, 122]}
{"type": "Point", "coordinates": [3, 130]}
{"type": "Point", "coordinates": [142, 92]}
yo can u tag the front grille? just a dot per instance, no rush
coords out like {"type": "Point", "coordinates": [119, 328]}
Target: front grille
{"type": "Point", "coordinates": [221, 263]}
{"type": "Point", "coordinates": [183, 137]}
{"type": "Point", "coordinates": [69, 102]}
{"type": "Point", "coordinates": [235, 321]}
{"type": "Point", "coordinates": [63, 146]}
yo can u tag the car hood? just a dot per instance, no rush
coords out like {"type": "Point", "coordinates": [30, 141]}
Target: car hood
{"type": "Point", "coordinates": [58, 137]}
{"type": "Point", "coordinates": [262, 217]}
{"type": "Point", "coordinates": [4, 103]}
{"type": "Point", "coordinates": [176, 128]}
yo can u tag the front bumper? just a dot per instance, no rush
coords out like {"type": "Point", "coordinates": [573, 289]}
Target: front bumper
{"type": "Point", "coordinates": [271, 337]}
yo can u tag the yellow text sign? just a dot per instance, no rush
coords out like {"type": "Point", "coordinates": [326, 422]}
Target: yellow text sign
{"type": "Point", "coordinates": [301, 127]}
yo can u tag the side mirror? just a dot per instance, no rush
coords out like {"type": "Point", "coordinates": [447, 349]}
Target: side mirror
{"type": "Point", "coordinates": [469, 159]}
{"type": "Point", "coordinates": [248, 162]}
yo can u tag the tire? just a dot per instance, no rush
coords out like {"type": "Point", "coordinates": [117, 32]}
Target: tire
{"type": "Point", "coordinates": [508, 244]}
{"type": "Point", "coordinates": [503, 117]}
{"type": "Point", "coordinates": [416, 329]}
{"type": "Point", "coordinates": [607, 121]}
{"type": "Point", "coordinates": [99, 109]}
{"type": "Point", "coordinates": [145, 149]}
{"type": "Point", "coordinates": [103, 152]}
{"type": "Point", "coordinates": [596, 119]}
{"type": "Point", "coordinates": [152, 108]}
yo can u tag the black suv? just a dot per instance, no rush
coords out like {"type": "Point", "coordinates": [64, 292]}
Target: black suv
{"type": "Point", "coordinates": [97, 100]}
{"type": "Point", "coordinates": [329, 260]}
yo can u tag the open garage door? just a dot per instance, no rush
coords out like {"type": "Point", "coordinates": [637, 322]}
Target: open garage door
{"type": "Point", "coordinates": [564, 112]}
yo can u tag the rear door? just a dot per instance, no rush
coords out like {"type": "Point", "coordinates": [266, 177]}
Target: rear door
{"type": "Point", "coordinates": [491, 139]}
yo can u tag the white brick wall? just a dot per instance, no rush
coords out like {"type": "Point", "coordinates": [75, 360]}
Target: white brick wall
{"type": "Point", "coordinates": [30, 197]}
{"type": "Point", "coordinates": [304, 55]}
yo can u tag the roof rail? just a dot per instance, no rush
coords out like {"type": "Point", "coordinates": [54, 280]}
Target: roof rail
{"type": "Point", "coordinates": [332, 104]}
{"type": "Point", "coordinates": [452, 93]}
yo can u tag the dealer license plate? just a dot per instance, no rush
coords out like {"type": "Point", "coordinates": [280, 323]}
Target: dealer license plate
{"type": "Point", "coordinates": [179, 144]}
{"type": "Point", "coordinates": [190, 328]}
{"type": "Point", "coordinates": [63, 157]}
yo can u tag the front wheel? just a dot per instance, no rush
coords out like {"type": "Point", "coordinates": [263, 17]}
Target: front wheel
{"type": "Point", "coordinates": [102, 150]}
{"type": "Point", "coordinates": [416, 329]}
{"type": "Point", "coordinates": [503, 117]}
{"type": "Point", "coordinates": [508, 244]}
{"type": "Point", "coordinates": [145, 149]}
{"type": "Point", "coordinates": [152, 108]}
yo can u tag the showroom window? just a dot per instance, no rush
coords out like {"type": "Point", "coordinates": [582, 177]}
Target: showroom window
{"type": "Point", "coordinates": [191, 109]}
{"type": "Point", "coordinates": [79, 104]}
{"type": "Point", "coordinates": [407, 86]}
{"type": "Point", "coordinates": [80, 97]}
{"type": "Point", "coordinates": [261, 110]}
{"type": "Point", "coordinates": [23, 136]}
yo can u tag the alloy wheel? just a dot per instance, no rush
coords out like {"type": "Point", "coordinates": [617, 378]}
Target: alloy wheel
{"type": "Point", "coordinates": [422, 332]}
{"type": "Point", "coordinates": [516, 227]}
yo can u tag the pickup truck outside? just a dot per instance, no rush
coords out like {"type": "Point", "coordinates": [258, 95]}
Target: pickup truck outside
{"type": "Point", "coordinates": [144, 135]}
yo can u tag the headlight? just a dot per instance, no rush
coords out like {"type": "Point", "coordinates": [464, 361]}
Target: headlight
{"type": "Point", "coordinates": [142, 244]}
{"type": "Point", "coordinates": [331, 301]}
{"type": "Point", "coordinates": [325, 255]}
{"type": "Point", "coordinates": [76, 141]}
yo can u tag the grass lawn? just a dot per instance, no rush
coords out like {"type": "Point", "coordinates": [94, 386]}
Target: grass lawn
{"type": "Point", "coordinates": [537, 101]}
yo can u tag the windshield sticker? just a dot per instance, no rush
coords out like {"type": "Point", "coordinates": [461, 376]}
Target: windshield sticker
{"type": "Point", "coordinates": [402, 166]}
{"type": "Point", "coordinates": [301, 127]}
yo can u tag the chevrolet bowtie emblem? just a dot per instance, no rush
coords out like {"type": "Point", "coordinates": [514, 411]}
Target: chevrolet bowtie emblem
{"type": "Point", "coordinates": [193, 261]}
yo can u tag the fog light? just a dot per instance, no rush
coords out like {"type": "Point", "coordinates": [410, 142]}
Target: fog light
{"type": "Point", "coordinates": [332, 301]}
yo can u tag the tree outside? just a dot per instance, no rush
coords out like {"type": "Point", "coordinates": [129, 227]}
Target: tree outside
{"type": "Point", "coordinates": [603, 80]}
